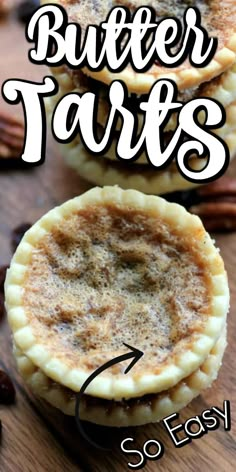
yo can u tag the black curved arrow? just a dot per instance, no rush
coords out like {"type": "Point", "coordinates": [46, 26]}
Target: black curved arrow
{"type": "Point", "coordinates": [134, 354]}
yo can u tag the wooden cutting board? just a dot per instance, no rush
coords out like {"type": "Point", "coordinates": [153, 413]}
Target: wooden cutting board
{"type": "Point", "coordinates": [38, 438]}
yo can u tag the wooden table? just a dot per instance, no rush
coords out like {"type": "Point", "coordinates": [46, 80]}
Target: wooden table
{"type": "Point", "coordinates": [36, 438]}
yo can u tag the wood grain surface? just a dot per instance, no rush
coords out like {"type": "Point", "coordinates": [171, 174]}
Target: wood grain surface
{"type": "Point", "coordinates": [36, 437]}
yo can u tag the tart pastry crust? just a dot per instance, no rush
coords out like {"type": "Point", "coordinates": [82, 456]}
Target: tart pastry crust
{"type": "Point", "coordinates": [36, 281]}
{"type": "Point", "coordinates": [101, 171]}
{"type": "Point", "coordinates": [138, 411]}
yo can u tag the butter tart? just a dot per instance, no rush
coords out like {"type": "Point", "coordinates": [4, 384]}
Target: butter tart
{"type": "Point", "coordinates": [112, 267]}
{"type": "Point", "coordinates": [218, 17]}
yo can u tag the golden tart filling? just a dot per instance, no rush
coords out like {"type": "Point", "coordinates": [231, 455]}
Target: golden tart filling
{"type": "Point", "coordinates": [108, 275]}
{"type": "Point", "coordinates": [113, 267]}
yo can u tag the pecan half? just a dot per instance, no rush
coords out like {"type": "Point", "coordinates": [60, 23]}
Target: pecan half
{"type": "Point", "coordinates": [217, 205]}
{"type": "Point", "coordinates": [216, 216]}
{"type": "Point", "coordinates": [11, 136]}
{"type": "Point", "coordinates": [225, 186]}
{"type": "Point", "coordinates": [5, 7]}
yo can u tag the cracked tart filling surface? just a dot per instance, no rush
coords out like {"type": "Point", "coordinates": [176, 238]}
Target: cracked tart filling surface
{"type": "Point", "coordinates": [107, 276]}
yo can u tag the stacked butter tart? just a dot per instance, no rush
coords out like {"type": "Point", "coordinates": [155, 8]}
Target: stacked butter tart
{"type": "Point", "coordinates": [110, 267]}
{"type": "Point", "coordinates": [216, 81]}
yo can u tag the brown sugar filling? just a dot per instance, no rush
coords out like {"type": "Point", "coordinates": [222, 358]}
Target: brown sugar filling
{"type": "Point", "coordinates": [108, 275]}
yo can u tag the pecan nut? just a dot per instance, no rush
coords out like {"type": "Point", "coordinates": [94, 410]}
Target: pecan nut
{"type": "Point", "coordinates": [225, 186]}
{"type": "Point", "coordinates": [216, 216]}
{"type": "Point", "coordinates": [11, 136]}
{"type": "Point", "coordinates": [217, 205]}
{"type": "Point", "coordinates": [5, 7]}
